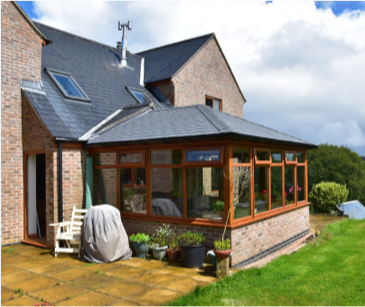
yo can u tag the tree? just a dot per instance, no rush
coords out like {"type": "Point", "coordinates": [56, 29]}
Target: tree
{"type": "Point", "coordinates": [331, 163]}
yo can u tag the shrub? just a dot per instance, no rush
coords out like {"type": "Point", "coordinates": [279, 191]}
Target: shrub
{"type": "Point", "coordinates": [189, 238]}
{"type": "Point", "coordinates": [326, 195]}
{"type": "Point", "coordinates": [140, 238]}
{"type": "Point", "coordinates": [162, 236]}
{"type": "Point", "coordinates": [218, 206]}
{"type": "Point", "coordinates": [223, 246]}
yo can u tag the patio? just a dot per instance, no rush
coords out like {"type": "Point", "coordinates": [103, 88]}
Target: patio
{"type": "Point", "coordinates": [67, 281]}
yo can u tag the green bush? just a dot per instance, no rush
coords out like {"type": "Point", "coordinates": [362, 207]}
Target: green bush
{"type": "Point", "coordinates": [140, 238]}
{"type": "Point", "coordinates": [326, 195]}
{"type": "Point", "coordinates": [190, 238]}
{"type": "Point", "coordinates": [218, 206]}
{"type": "Point", "coordinates": [222, 246]}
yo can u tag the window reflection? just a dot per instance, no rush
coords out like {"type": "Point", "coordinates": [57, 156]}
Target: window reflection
{"type": "Point", "coordinates": [261, 189]}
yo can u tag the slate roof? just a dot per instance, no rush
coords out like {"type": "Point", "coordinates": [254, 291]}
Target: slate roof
{"type": "Point", "coordinates": [163, 62]}
{"type": "Point", "coordinates": [95, 67]}
{"type": "Point", "coordinates": [189, 122]}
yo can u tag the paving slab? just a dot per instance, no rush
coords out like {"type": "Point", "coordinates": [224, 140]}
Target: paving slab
{"type": "Point", "coordinates": [154, 278]}
{"type": "Point", "coordinates": [89, 299]}
{"type": "Point", "coordinates": [59, 293]}
{"type": "Point", "coordinates": [101, 267]}
{"type": "Point", "coordinates": [155, 297]}
{"type": "Point", "coordinates": [6, 293]}
{"type": "Point", "coordinates": [184, 285]}
{"type": "Point", "coordinates": [72, 274]}
{"type": "Point", "coordinates": [125, 303]}
{"type": "Point", "coordinates": [36, 284]}
{"type": "Point", "coordinates": [126, 272]}
{"type": "Point", "coordinates": [30, 263]}
{"type": "Point", "coordinates": [13, 278]}
{"type": "Point", "coordinates": [94, 281]}
{"type": "Point", "coordinates": [20, 301]}
{"type": "Point", "coordinates": [177, 270]}
{"type": "Point", "coordinates": [16, 259]}
{"type": "Point", "coordinates": [124, 289]}
{"type": "Point", "coordinates": [50, 269]}
{"type": "Point", "coordinates": [146, 263]}
{"type": "Point", "coordinates": [8, 269]}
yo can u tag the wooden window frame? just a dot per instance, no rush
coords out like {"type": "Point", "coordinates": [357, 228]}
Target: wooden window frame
{"type": "Point", "coordinates": [242, 164]}
{"type": "Point", "coordinates": [305, 165]}
{"type": "Point", "coordinates": [203, 163]}
{"type": "Point", "coordinates": [166, 165]}
{"type": "Point", "coordinates": [282, 157]}
{"type": "Point", "coordinates": [131, 165]}
{"type": "Point", "coordinates": [262, 163]}
{"type": "Point", "coordinates": [290, 162]}
{"type": "Point", "coordinates": [213, 98]}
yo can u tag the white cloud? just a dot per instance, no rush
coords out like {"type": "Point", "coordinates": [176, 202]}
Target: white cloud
{"type": "Point", "coordinates": [300, 68]}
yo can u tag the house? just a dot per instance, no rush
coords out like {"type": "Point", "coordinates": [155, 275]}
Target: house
{"type": "Point", "coordinates": [150, 133]}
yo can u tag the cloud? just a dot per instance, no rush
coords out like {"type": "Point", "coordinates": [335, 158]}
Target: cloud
{"type": "Point", "coordinates": [299, 67]}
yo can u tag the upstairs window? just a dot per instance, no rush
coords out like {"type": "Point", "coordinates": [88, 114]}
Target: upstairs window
{"type": "Point", "coordinates": [138, 95]}
{"type": "Point", "coordinates": [67, 85]}
{"type": "Point", "coordinates": [213, 103]}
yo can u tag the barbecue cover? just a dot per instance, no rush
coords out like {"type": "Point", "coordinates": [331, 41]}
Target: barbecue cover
{"type": "Point", "coordinates": [104, 238]}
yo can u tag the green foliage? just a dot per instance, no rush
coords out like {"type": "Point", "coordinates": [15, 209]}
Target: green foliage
{"type": "Point", "coordinates": [326, 195]}
{"type": "Point", "coordinates": [173, 243]}
{"type": "Point", "coordinates": [7, 250]}
{"type": "Point", "coordinates": [218, 206]}
{"type": "Point", "coordinates": [140, 238]}
{"type": "Point", "coordinates": [222, 246]}
{"type": "Point", "coordinates": [337, 164]}
{"type": "Point", "coordinates": [191, 238]}
{"type": "Point", "coordinates": [162, 236]}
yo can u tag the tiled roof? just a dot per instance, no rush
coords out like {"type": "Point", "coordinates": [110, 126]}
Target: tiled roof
{"type": "Point", "coordinates": [189, 122]}
{"type": "Point", "coordinates": [95, 67]}
{"type": "Point", "coordinates": [163, 62]}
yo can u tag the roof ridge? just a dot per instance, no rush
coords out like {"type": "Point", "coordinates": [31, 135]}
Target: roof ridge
{"type": "Point", "coordinates": [81, 37]}
{"type": "Point", "coordinates": [200, 107]}
{"type": "Point", "coordinates": [176, 43]}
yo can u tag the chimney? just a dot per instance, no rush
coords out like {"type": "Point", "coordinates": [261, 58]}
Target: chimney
{"type": "Point", "coordinates": [141, 80]}
{"type": "Point", "coordinates": [123, 27]}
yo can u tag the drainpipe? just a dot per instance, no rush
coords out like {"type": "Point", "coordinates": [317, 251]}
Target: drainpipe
{"type": "Point", "coordinates": [60, 194]}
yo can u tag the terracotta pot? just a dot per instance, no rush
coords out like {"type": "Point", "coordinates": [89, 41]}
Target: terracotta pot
{"type": "Point", "coordinates": [222, 254]}
{"type": "Point", "coordinates": [173, 255]}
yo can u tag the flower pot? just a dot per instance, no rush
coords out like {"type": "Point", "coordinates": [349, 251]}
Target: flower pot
{"type": "Point", "coordinates": [159, 252]}
{"type": "Point", "coordinates": [192, 256]}
{"type": "Point", "coordinates": [173, 255]}
{"type": "Point", "coordinates": [141, 249]}
{"type": "Point", "coordinates": [222, 254]}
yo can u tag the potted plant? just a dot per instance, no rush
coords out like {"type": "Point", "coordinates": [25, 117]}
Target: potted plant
{"type": "Point", "coordinates": [192, 247]}
{"type": "Point", "coordinates": [160, 241]}
{"type": "Point", "coordinates": [218, 207]}
{"type": "Point", "coordinates": [141, 244]}
{"type": "Point", "coordinates": [173, 252]}
{"type": "Point", "coordinates": [222, 249]}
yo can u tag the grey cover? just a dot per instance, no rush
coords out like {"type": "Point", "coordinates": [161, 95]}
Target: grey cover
{"type": "Point", "coordinates": [164, 206]}
{"type": "Point", "coordinates": [103, 236]}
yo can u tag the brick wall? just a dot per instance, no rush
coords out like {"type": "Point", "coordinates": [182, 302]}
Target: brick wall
{"type": "Point", "coordinates": [20, 58]}
{"type": "Point", "coordinates": [207, 74]}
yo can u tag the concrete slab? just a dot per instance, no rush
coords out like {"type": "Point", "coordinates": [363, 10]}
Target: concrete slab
{"type": "Point", "coordinates": [70, 275]}
{"type": "Point", "coordinates": [124, 289]}
{"type": "Point", "coordinates": [125, 303]}
{"type": "Point", "coordinates": [20, 301]}
{"type": "Point", "coordinates": [154, 278]}
{"type": "Point", "coordinates": [101, 267]}
{"type": "Point", "coordinates": [8, 269]}
{"type": "Point", "coordinates": [155, 297]}
{"type": "Point", "coordinates": [13, 278]}
{"type": "Point", "coordinates": [59, 293]}
{"type": "Point", "coordinates": [36, 284]}
{"type": "Point", "coordinates": [95, 281]}
{"type": "Point", "coordinates": [126, 272]}
{"type": "Point", "coordinates": [6, 293]}
{"type": "Point", "coordinates": [184, 285]}
{"type": "Point", "coordinates": [89, 299]}
{"type": "Point", "coordinates": [16, 259]}
{"type": "Point", "coordinates": [30, 263]}
{"type": "Point", "coordinates": [51, 268]}
{"type": "Point", "coordinates": [178, 270]}
{"type": "Point", "coordinates": [146, 263]}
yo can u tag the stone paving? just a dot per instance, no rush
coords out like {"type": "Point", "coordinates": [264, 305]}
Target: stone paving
{"type": "Point", "coordinates": [30, 274]}
{"type": "Point", "coordinates": [318, 221]}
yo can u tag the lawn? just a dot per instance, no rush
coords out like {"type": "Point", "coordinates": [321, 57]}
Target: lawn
{"type": "Point", "coordinates": [328, 271]}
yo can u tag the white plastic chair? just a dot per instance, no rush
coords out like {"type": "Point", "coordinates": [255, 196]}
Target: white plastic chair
{"type": "Point", "coordinates": [71, 233]}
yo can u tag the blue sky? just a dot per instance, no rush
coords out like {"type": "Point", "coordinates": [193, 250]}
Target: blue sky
{"type": "Point", "coordinates": [298, 63]}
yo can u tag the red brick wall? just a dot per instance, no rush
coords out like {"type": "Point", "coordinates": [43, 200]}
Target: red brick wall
{"type": "Point", "coordinates": [20, 58]}
{"type": "Point", "coordinates": [207, 74]}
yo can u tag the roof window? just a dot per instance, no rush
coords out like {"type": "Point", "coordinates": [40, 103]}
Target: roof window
{"type": "Point", "coordinates": [213, 103]}
{"type": "Point", "coordinates": [139, 95]}
{"type": "Point", "coordinates": [67, 85]}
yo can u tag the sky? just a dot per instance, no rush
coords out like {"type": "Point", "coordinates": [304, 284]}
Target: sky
{"type": "Point", "coordinates": [299, 64]}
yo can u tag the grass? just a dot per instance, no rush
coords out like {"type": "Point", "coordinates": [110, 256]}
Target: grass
{"type": "Point", "coordinates": [328, 271]}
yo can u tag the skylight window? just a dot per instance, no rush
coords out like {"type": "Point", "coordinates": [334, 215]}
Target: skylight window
{"type": "Point", "coordinates": [138, 95]}
{"type": "Point", "coordinates": [67, 85]}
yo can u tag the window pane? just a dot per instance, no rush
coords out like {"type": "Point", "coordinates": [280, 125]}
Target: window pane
{"type": "Point", "coordinates": [68, 85]}
{"type": "Point", "coordinates": [132, 197]}
{"type": "Point", "coordinates": [105, 188]}
{"type": "Point", "coordinates": [216, 104]}
{"type": "Point", "coordinates": [205, 193]}
{"type": "Point", "coordinates": [203, 155]}
{"type": "Point", "coordinates": [167, 191]}
{"type": "Point", "coordinates": [131, 158]}
{"type": "Point", "coordinates": [289, 185]}
{"type": "Point", "coordinates": [104, 158]}
{"type": "Point", "coordinates": [209, 102]}
{"type": "Point", "coordinates": [261, 189]}
{"type": "Point", "coordinates": [301, 183]}
{"type": "Point", "coordinates": [161, 157]}
{"type": "Point", "coordinates": [262, 155]}
{"type": "Point", "coordinates": [140, 176]}
{"type": "Point", "coordinates": [276, 156]}
{"type": "Point", "coordinates": [300, 157]}
{"type": "Point", "coordinates": [141, 97]}
{"type": "Point", "coordinates": [290, 156]}
{"type": "Point", "coordinates": [241, 155]}
{"type": "Point", "coordinates": [243, 207]}
{"type": "Point", "coordinates": [276, 187]}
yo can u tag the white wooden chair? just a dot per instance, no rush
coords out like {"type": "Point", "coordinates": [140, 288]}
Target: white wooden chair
{"type": "Point", "coordinates": [71, 233]}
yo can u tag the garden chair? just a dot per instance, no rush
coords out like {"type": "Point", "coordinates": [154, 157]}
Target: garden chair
{"type": "Point", "coordinates": [71, 233]}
